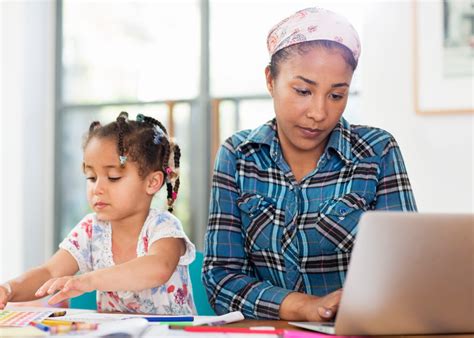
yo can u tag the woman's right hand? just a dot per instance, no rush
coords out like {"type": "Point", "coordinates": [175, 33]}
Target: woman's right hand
{"type": "Point", "coordinates": [4, 297]}
{"type": "Point", "coordinates": [327, 307]}
{"type": "Point", "coordinates": [303, 307]}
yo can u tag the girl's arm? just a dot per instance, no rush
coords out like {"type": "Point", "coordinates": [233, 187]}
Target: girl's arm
{"type": "Point", "coordinates": [140, 273]}
{"type": "Point", "coordinates": [24, 287]}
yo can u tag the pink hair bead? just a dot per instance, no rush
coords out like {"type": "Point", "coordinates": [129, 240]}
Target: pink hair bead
{"type": "Point", "coordinates": [168, 170]}
{"type": "Point", "coordinates": [174, 195]}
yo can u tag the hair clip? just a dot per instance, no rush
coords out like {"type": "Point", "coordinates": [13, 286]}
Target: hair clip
{"type": "Point", "coordinates": [159, 133]}
{"type": "Point", "coordinates": [168, 170]}
{"type": "Point", "coordinates": [123, 114]}
{"type": "Point", "coordinates": [140, 118]}
{"type": "Point", "coordinates": [122, 159]}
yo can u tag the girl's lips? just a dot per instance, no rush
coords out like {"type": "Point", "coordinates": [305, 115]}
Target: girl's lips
{"type": "Point", "coordinates": [100, 205]}
{"type": "Point", "coordinates": [310, 133]}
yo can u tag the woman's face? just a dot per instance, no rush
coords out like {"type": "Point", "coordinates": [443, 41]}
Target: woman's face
{"type": "Point", "coordinates": [309, 95]}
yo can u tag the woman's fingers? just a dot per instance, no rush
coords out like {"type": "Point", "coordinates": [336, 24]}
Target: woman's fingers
{"type": "Point", "coordinates": [330, 304]}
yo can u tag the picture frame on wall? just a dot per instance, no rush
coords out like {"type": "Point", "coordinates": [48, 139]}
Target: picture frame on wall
{"type": "Point", "coordinates": [443, 56]}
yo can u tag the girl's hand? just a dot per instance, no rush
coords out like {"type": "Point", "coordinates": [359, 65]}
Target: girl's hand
{"type": "Point", "coordinates": [4, 297]}
{"type": "Point", "coordinates": [67, 287]}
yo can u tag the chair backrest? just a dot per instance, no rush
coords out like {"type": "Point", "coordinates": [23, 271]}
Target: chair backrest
{"type": "Point", "coordinates": [85, 301]}
{"type": "Point", "coordinates": [199, 292]}
{"type": "Point", "coordinates": [88, 300]}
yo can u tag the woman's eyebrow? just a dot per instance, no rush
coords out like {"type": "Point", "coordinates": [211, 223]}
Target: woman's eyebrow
{"type": "Point", "coordinates": [314, 83]}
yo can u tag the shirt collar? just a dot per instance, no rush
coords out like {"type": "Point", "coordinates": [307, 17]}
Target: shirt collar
{"type": "Point", "coordinates": [339, 139]}
{"type": "Point", "coordinates": [265, 134]}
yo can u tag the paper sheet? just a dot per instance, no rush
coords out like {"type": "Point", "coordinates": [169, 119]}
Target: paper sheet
{"type": "Point", "coordinates": [108, 317]}
{"type": "Point", "coordinates": [27, 331]}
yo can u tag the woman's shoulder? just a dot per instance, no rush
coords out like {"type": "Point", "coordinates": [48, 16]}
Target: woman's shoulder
{"type": "Point", "coordinates": [370, 137]}
{"type": "Point", "coordinates": [262, 134]}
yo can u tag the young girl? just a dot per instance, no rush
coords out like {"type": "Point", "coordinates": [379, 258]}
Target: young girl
{"type": "Point", "coordinates": [136, 257]}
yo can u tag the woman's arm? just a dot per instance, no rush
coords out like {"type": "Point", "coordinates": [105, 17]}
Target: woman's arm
{"type": "Point", "coordinates": [394, 190]}
{"type": "Point", "coordinates": [24, 287]}
{"type": "Point", "coordinates": [140, 273]}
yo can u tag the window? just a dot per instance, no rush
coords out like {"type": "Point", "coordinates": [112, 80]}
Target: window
{"type": "Point", "coordinates": [127, 56]}
{"type": "Point", "coordinates": [145, 57]}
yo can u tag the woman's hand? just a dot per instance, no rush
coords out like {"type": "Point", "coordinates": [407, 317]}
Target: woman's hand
{"type": "Point", "coordinates": [327, 307]}
{"type": "Point", "coordinates": [299, 306]}
{"type": "Point", "coordinates": [66, 287]}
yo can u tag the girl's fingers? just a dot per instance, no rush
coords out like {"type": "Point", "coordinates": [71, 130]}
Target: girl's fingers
{"type": "Point", "coordinates": [57, 298]}
{"type": "Point", "coordinates": [57, 285]}
{"type": "Point", "coordinates": [43, 288]}
{"type": "Point", "coordinates": [70, 285]}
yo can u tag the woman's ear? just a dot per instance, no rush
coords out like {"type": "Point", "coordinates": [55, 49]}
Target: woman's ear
{"type": "Point", "coordinates": [154, 182]}
{"type": "Point", "coordinates": [269, 79]}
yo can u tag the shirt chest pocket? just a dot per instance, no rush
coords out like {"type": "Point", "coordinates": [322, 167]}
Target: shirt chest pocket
{"type": "Point", "coordinates": [258, 221]}
{"type": "Point", "coordinates": [337, 221]}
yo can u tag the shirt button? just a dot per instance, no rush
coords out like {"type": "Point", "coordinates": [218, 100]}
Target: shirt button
{"type": "Point", "coordinates": [291, 188]}
{"type": "Point", "coordinates": [343, 211]}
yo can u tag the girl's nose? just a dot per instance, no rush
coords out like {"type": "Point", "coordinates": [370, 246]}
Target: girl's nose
{"type": "Point", "coordinates": [99, 187]}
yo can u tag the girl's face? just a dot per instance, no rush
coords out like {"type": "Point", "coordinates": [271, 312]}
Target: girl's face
{"type": "Point", "coordinates": [309, 95]}
{"type": "Point", "coordinates": [114, 193]}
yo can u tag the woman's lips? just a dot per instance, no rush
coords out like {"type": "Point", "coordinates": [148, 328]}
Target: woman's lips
{"type": "Point", "coordinates": [309, 132]}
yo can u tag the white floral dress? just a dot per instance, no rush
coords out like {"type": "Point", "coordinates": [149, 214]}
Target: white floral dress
{"type": "Point", "coordinates": [90, 243]}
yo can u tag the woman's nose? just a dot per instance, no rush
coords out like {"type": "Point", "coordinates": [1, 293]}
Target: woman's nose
{"type": "Point", "coordinates": [318, 110]}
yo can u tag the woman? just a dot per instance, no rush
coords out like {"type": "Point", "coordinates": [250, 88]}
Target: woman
{"type": "Point", "coordinates": [287, 196]}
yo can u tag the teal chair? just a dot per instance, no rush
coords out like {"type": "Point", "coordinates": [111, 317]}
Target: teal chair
{"type": "Point", "coordinates": [199, 292]}
{"type": "Point", "coordinates": [88, 300]}
{"type": "Point", "coordinates": [85, 301]}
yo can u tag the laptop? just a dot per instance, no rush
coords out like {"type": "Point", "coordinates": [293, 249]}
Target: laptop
{"type": "Point", "coordinates": [410, 273]}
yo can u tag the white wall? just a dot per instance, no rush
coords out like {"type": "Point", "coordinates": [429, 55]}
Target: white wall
{"type": "Point", "coordinates": [438, 150]}
{"type": "Point", "coordinates": [26, 105]}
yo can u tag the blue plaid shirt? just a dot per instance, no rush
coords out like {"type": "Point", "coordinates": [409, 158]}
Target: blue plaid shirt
{"type": "Point", "coordinates": [269, 235]}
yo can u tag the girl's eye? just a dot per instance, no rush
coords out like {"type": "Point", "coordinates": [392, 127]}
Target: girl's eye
{"type": "Point", "coordinates": [302, 92]}
{"type": "Point", "coordinates": [92, 179]}
{"type": "Point", "coordinates": [114, 179]}
{"type": "Point", "coordinates": [336, 97]}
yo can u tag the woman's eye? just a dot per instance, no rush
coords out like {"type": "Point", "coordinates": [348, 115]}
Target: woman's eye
{"type": "Point", "coordinates": [302, 92]}
{"type": "Point", "coordinates": [114, 179]}
{"type": "Point", "coordinates": [336, 97]}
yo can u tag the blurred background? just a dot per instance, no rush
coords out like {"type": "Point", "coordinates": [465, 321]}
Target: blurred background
{"type": "Point", "coordinates": [198, 66]}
